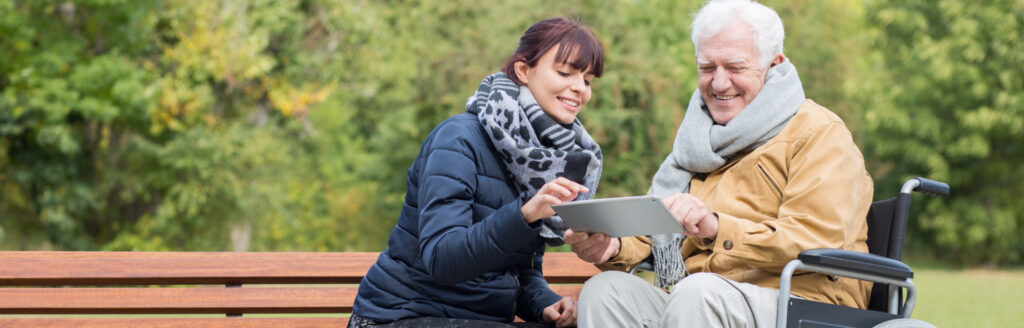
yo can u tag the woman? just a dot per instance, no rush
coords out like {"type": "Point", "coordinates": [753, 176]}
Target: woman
{"type": "Point", "coordinates": [468, 245]}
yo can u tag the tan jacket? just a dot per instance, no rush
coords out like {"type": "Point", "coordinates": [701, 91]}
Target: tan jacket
{"type": "Point", "coordinates": [805, 188]}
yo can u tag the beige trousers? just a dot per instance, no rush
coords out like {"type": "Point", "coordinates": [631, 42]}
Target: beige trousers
{"type": "Point", "coordinates": [619, 299]}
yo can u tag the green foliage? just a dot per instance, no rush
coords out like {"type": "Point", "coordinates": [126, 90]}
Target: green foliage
{"type": "Point", "coordinates": [289, 125]}
{"type": "Point", "coordinates": [948, 103]}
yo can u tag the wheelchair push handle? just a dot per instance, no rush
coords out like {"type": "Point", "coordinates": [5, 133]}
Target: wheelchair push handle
{"type": "Point", "coordinates": [926, 186]}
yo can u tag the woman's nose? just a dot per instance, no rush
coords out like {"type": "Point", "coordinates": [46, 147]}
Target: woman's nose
{"type": "Point", "coordinates": [578, 84]}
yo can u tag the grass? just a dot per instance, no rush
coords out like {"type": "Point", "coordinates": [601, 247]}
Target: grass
{"type": "Point", "coordinates": [964, 298]}
{"type": "Point", "coordinates": [970, 298]}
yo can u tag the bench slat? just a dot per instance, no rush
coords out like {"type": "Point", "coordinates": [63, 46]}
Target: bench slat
{"type": "Point", "coordinates": [174, 322]}
{"type": "Point", "coordinates": [565, 267]}
{"type": "Point", "coordinates": [160, 268]}
{"type": "Point", "coordinates": [34, 274]}
{"type": "Point", "coordinates": [189, 300]}
{"type": "Point", "coordinates": [172, 268]}
{"type": "Point", "coordinates": [567, 290]}
{"type": "Point", "coordinates": [176, 300]}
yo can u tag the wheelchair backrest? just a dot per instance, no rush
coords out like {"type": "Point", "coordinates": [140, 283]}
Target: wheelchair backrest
{"type": "Point", "coordinates": [887, 225]}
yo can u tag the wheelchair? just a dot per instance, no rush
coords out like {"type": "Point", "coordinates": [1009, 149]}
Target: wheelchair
{"type": "Point", "coordinates": [887, 223]}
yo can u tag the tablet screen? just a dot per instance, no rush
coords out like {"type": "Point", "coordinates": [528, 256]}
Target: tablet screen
{"type": "Point", "coordinates": [619, 216]}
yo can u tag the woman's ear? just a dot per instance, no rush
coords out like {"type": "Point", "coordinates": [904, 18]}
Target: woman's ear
{"type": "Point", "coordinates": [521, 68]}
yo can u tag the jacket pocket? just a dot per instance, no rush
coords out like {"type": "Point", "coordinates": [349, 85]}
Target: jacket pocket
{"type": "Point", "coordinates": [776, 188]}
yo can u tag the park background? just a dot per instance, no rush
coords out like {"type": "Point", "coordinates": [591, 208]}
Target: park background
{"type": "Point", "coordinates": [270, 125]}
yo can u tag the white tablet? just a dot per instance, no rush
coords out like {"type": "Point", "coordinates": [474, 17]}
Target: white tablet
{"type": "Point", "coordinates": [619, 216]}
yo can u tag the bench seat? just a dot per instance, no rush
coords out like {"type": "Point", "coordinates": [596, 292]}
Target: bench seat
{"type": "Point", "coordinates": [171, 288]}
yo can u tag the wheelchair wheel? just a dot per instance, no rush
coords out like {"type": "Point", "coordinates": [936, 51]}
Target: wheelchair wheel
{"type": "Point", "coordinates": [904, 323]}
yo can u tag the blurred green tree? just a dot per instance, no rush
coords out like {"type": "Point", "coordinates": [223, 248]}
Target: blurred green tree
{"type": "Point", "coordinates": [947, 102]}
{"type": "Point", "coordinates": [289, 125]}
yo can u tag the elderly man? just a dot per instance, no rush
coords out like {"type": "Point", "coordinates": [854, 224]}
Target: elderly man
{"type": "Point", "coordinates": [757, 174]}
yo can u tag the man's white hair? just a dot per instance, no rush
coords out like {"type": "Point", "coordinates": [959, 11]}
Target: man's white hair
{"type": "Point", "coordinates": [764, 22]}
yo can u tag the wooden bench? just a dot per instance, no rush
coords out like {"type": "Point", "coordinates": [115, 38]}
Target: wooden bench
{"type": "Point", "coordinates": [174, 289]}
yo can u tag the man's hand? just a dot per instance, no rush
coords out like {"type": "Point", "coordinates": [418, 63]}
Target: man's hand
{"type": "Point", "coordinates": [554, 192]}
{"type": "Point", "coordinates": [693, 215]}
{"type": "Point", "coordinates": [562, 313]}
{"type": "Point", "coordinates": [595, 248]}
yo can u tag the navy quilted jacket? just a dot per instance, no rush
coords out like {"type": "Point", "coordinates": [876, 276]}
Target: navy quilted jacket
{"type": "Point", "coordinates": [461, 248]}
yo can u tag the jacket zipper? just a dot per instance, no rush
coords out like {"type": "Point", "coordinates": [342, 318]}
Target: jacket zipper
{"type": "Point", "coordinates": [775, 185]}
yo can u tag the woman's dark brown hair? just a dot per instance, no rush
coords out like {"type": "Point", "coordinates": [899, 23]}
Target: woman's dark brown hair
{"type": "Point", "coordinates": [575, 40]}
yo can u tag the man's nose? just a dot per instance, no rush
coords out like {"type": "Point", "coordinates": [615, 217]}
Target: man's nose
{"type": "Point", "coordinates": [721, 80]}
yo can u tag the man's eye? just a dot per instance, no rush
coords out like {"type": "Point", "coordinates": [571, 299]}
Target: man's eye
{"type": "Point", "coordinates": [707, 68]}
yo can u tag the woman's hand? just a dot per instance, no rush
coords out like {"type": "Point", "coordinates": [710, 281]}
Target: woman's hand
{"type": "Point", "coordinates": [562, 313]}
{"type": "Point", "coordinates": [552, 193]}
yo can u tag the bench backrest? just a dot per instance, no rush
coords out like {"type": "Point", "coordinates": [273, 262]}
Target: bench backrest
{"type": "Point", "coordinates": [234, 284]}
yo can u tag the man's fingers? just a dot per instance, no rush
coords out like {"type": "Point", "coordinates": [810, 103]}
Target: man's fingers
{"type": "Point", "coordinates": [590, 247]}
{"type": "Point", "coordinates": [573, 237]}
{"type": "Point", "coordinates": [593, 241]}
{"type": "Point", "coordinates": [584, 248]}
{"type": "Point", "coordinates": [679, 212]}
{"type": "Point", "coordinates": [691, 223]}
{"type": "Point", "coordinates": [595, 252]}
{"type": "Point", "coordinates": [589, 254]}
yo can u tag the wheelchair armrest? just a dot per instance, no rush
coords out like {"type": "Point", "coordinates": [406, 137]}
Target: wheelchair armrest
{"type": "Point", "coordinates": [856, 265]}
{"type": "Point", "coordinates": [865, 263]}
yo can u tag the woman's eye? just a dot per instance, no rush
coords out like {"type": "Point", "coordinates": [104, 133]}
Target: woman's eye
{"type": "Point", "coordinates": [563, 74]}
{"type": "Point", "coordinates": [587, 82]}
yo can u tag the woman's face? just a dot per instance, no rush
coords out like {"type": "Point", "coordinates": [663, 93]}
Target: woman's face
{"type": "Point", "coordinates": [560, 90]}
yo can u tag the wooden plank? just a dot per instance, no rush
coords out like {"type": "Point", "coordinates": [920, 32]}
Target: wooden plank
{"type": "Point", "coordinates": [174, 322]}
{"type": "Point", "coordinates": [565, 267]}
{"type": "Point", "coordinates": [568, 290]}
{"type": "Point", "coordinates": [189, 300]}
{"type": "Point", "coordinates": [158, 268]}
{"type": "Point", "coordinates": [176, 300]}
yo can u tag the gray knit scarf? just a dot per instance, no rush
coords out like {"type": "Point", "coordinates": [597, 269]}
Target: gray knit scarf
{"type": "Point", "coordinates": [702, 146]}
{"type": "Point", "coordinates": [535, 148]}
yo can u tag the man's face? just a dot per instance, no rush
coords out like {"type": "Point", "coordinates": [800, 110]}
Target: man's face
{"type": "Point", "coordinates": [730, 74]}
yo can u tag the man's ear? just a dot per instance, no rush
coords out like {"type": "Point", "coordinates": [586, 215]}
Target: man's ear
{"type": "Point", "coordinates": [778, 59]}
{"type": "Point", "coordinates": [521, 69]}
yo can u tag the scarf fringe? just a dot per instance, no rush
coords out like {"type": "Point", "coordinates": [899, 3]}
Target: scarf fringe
{"type": "Point", "coordinates": [668, 270]}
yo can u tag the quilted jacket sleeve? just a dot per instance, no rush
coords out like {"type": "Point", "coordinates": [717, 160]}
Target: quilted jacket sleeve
{"type": "Point", "coordinates": [536, 294]}
{"type": "Point", "coordinates": [453, 247]}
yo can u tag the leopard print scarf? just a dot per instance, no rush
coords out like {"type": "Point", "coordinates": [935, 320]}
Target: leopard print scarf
{"type": "Point", "coordinates": [535, 148]}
